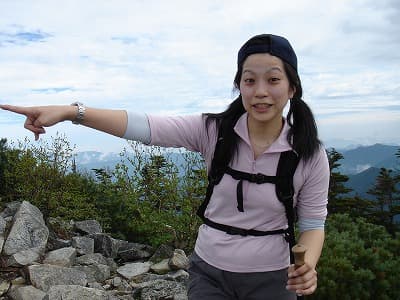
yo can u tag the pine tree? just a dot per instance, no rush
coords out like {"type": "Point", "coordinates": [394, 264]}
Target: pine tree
{"type": "Point", "coordinates": [387, 199]}
{"type": "Point", "coordinates": [336, 184]}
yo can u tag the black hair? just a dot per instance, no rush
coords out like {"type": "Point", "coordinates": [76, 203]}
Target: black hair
{"type": "Point", "coordinates": [302, 135]}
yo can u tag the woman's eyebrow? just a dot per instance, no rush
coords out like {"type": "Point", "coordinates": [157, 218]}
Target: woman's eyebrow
{"type": "Point", "coordinates": [267, 71]}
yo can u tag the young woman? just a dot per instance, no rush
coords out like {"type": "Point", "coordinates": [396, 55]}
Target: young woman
{"type": "Point", "coordinates": [228, 264]}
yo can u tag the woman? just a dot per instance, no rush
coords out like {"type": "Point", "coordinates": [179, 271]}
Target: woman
{"type": "Point", "coordinates": [255, 133]}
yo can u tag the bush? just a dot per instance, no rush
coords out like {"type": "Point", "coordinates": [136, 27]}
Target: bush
{"type": "Point", "coordinates": [359, 261]}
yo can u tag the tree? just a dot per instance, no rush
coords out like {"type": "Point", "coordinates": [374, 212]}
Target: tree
{"type": "Point", "coordinates": [387, 199]}
{"type": "Point", "coordinates": [159, 182]}
{"type": "Point", "coordinates": [336, 184]}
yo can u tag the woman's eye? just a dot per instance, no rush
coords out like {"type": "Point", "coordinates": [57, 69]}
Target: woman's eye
{"type": "Point", "coordinates": [249, 80]}
{"type": "Point", "coordinates": [274, 79]}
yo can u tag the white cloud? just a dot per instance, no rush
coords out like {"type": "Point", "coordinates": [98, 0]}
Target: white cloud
{"type": "Point", "coordinates": [179, 56]}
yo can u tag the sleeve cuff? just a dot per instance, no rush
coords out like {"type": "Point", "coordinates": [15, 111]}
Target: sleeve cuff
{"type": "Point", "coordinates": [310, 224]}
{"type": "Point", "coordinates": [138, 128]}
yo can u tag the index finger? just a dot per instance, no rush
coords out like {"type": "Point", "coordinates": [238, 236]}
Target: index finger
{"type": "Point", "coordinates": [294, 272]}
{"type": "Point", "coordinates": [17, 109]}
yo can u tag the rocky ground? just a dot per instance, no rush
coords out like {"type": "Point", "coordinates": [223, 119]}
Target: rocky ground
{"type": "Point", "coordinates": [57, 260]}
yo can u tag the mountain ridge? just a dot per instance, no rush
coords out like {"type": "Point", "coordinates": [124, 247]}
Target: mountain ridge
{"type": "Point", "coordinates": [361, 164]}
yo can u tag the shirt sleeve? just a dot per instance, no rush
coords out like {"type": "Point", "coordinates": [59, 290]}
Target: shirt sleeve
{"type": "Point", "coordinates": [180, 131]}
{"type": "Point", "coordinates": [312, 199]}
{"type": "Point", "coordinates": [137, 128]}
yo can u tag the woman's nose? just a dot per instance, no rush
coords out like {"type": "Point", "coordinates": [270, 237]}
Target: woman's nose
{"type": "Point", "coordinates": [261, 90]}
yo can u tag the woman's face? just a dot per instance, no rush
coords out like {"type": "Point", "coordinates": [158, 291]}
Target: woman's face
{"type": "Point", "coordinates": [265, 88]}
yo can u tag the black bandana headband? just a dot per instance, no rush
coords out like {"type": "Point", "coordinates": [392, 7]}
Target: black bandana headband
{"type": "Point", "coordinates": [268, 43]}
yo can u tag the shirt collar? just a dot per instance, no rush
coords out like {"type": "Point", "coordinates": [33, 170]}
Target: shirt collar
{"type": "Point", "coordinates": [279, 145]}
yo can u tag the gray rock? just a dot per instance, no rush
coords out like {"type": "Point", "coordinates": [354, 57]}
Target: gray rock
{"type": "Point", "coordinates": [131, 270]}
{"type": "Point", "coordinates": [105, 245]}
{"type": "Point", "coordinates": [10, 210]}
{"type": "Point", "coordinates": [1, 243]}
{"type": "Point", "coordinates": [88, 227]}
{"type": "Point", "coordinates": [45, 276]}
{"type": "Point", "coordinates": [18, 281]}
{"type": "Point", "coordinates": [95, 273]}
{"type": "Point", "coordinates": [54, 243]}
{"type": "Point", "coordinates": [95, 285]}
{"type": "Point", "coordinates": [83, 244]}
{"type": "Point", "coordinates": [134, 251]}
{"type": "Point", "coordinates": [28, 230]}
{"type": "Point", "coordinates": [162, 267]}
{"type": "Point", "coordinates": [179, 260]}
{"type": "Point", "coordinates": [163, 289]}
{"type": "Point", "coordinates": [74, 292]}
{"type": "Point", "coordinates": [180, 276]}
{"type": "Point", "coordinates": [121, 284]}
{"type": "Point", "coordinates": [91, 259]}
{"type": "Point", "coordinates": [3, 225]}
{"type": "Point", "coordinates": [113, 265]}
{"type": "Point", "coordinates": [24, 257]}
{"type": "Point", "coordinates": [64, 257]}
{"type": "Point", "coordinates": [4, 286]}
{"type": "Point", "coordinates": [28, 292]}
{"type": "Point", "coordinates": [162, 252]}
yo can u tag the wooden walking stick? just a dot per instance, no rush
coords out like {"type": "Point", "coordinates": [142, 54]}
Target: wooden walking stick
{"type": "Point", "coordinates": [299, 252]}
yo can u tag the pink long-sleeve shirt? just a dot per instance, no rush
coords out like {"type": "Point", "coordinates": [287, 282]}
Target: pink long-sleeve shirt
{"type": "Point", "coordinates": [262, 209]}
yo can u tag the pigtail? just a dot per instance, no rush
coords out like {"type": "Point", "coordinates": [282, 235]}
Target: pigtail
{"type": "Point", "coordinates": [225, 123]}
{"type": "Point", "coordinates": [303, 133]}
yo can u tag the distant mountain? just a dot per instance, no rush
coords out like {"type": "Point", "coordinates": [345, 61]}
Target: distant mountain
{"type": "Point", "coordinates": [360, 183]}
{"type": "Point", "coordinates": [341, 144]}
{"type": "Point", "coordinates": [363, 165]}
{"type": "Point", "coordinates": [363, 157]}
{"type": "Point", "coordinates": [88, 160]}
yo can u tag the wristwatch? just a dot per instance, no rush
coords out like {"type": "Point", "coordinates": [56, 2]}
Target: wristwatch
{"type": "Point", "coordinates": [80, 115]}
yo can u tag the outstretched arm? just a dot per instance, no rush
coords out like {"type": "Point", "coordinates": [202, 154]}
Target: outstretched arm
{"type": "Point", "coordinates": [38, 117]}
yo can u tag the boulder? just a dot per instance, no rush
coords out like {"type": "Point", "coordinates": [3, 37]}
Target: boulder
{"type": "Point", "coordinates": [28, 231]}
{"type": "Point", "coordinates": [45, 276]}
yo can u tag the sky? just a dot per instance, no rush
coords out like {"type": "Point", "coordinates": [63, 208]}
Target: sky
{"type": "Point", "coordinates": [179, 57]}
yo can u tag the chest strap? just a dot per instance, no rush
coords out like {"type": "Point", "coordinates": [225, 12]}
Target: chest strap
{"type": "Point", "coordinates": [254, 178]}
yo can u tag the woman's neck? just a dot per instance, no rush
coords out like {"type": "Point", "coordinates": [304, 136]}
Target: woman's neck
{"type": "Point", "coordinates": [262, 135]}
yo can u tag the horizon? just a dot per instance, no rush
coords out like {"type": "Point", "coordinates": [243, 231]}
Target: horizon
{"type": "Point", "coordinates": [179, 57]}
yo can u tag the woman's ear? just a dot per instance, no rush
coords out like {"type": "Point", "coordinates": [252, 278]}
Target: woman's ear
{"type": "Point", "coordinates": [292, 91]}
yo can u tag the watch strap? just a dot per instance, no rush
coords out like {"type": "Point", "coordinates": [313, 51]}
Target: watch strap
{"type": "Point", "coordinates": [80, 114]}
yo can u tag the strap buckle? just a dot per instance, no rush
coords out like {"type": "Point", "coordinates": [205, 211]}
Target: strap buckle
{"type": "Point", "coordinates": [257, 178]}
{"type": "Point", "coordinates": [286, 236]}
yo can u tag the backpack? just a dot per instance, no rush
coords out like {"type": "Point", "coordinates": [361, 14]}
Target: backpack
{"type": "Point", "coordinates": [283, 181]}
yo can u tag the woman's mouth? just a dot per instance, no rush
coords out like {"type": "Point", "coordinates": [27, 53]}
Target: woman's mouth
{"type": "Point", "coordinates": [262, 107]}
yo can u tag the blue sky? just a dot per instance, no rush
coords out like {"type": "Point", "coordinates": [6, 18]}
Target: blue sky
{"type": "Point", "coordinates": [178, 57]}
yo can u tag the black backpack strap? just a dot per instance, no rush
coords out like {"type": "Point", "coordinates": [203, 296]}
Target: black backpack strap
{"type": "Point", "coordinates": [254, 178]}
{"type": "Point", "coordinates": [287, 165]}
{"type": "Point", "coordinates": [215, 174]}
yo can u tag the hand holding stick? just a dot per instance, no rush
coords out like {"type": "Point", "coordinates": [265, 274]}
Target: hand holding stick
{"type": "Point", "coordinates": [299, 252]}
